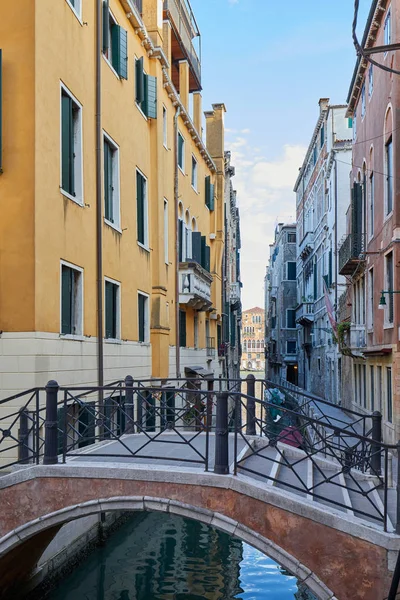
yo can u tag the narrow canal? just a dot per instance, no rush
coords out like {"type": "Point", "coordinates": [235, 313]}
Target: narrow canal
{"type": "Point", "coordinates": [157, 556]}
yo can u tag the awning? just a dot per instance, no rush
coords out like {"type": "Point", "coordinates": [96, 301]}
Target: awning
{"type": "Point", "coordinates": [202, 371]}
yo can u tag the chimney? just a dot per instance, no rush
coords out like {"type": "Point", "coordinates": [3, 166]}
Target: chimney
{"type": "Point", "coordinates": [323, 104]}
{"type": "Point", "coordinates": [184, 83]}
{"type": "Point", "coordinates": [197, 104]}
{"type": "Point", "coordinates": [215, 131]}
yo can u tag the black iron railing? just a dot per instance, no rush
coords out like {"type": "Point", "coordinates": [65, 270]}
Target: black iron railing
{"type": "Point", "coordinates": [351, 249]}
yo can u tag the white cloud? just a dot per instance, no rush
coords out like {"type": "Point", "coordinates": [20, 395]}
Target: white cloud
{"type": "Point", "coordinates": [265, 198]}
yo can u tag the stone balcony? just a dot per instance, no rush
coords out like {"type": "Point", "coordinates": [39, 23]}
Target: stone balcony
{"type": "Point", "coordinates": [305, 314]}
{"type": "Point", "coordinates": [358, 337]}
{"type": "Point", "coordinates": [194, 286]}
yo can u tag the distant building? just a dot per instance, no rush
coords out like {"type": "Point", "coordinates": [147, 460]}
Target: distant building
{"type": "Point", "coordinates": [280, 294]}
{"type": "Point", "coordinates": [321, 201]}
{"type": "Point", "coordinates": [253, 331]}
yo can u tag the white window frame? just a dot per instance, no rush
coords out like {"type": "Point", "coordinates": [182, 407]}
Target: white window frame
{"type": "Point", "coordinates": [363, 101]}
{"type": "Point", "coordinates": [165, 126]}
{"type": "Point", "coordinates": [76, 10]}
{"type": "Point", "coordinates": [116, 340]}
{"type": "Point", "coordinates": [146, 317]}
{"type": "Point", "coordinates": [116, 183]}
{"type": "Point", "coordinates": [371, 205]}
{"type": "Point", "coordinates": [146, 245]}
{"type": "Point", "coordinates": [78, 149]}
{"type": "Point", "coordinates": [136, 104]}
{"type": "Point", "coordinates": [182, 168]}
{"type": "Point", "coordinates": [370, 80]}
{"type": "Point", "coordinates": [386, 162]}
{"type": "Point", "coordinates": [387, 30]}
{"type": "Point", "coordinates": [194, 174]}
{"type": "Point", "coordinates": [370, 303]}
{"type": "Point", "coordinates": [166, 232]}
{"type": "Point", "coordinates": [108, 58]}
{"type": "Point", "coordinates": [79, 305]}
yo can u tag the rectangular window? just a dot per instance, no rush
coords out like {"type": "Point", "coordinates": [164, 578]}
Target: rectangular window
{"type": "Point", "coordinates": [112, 310]}
{"type": "Point", "coordinates": [372, 387]}
{"type": "Point", "coordinates": [194, 173]}
{"type": "Point", "coordinates": [71, 300]}
{"type": "Point", "coordinates": [389, 399]}
{"type": "Point", "coordinates": [143, 318]}
{"type": "Point", "coordinates": [389, 176]}
{"type": "Point", "coordinates": [379, 388]}
{"type": "Point", "coordinates": [388, 29]}
{"type": "Point", "coordinates": [291, 319]}
{"type": "Point", "coordinates": [71, 146]}
{"type": "Point", "coordinates": [371, 204]}
{"type": "Point", "coordinates": [363, 104]}
{"type": "Point", "coordinates": [76, 6]}
{"type": "Point", "coordinates": [364, 376]}
{"type": "Point", "coordinates": [166, 253]}
{"type": "Point", "coordinates": [370, 321]}
{"type": "Point", "coordinates": [322, 134]}
{"type": "Point", "coordinates": [145, 91]}
{"type": "Point", "coordinates": [370, 80]}
{"type": "Point", "coordinates": [182, 329]}
{"type": "Point", "coordinates": [111, 182]}
{"type": "Point", "coordinates": [181, 152]}
{"type": "Point", "coordinates": [115, 43]}
{"type": "Point", "coordinates": [291, 238]}
{"type": "Point", "coordinates": [354, 127]}
{"type": "Point", "coordinates": [291, 271]}
{"type": "Point", "coordinates": [389, 286]}
{"type": "Point", "coordinates": [142, 210]}
{"type": "Point", "coordinates": [291, 347]}
{"type": "Point", "coordinates": [165, 126]}
{"type": "Point", "coordinates": [210, 193]}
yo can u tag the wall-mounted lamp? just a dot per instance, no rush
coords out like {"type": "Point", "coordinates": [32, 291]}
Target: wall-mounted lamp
{"type": "Point", "coordinates": [382, 301]}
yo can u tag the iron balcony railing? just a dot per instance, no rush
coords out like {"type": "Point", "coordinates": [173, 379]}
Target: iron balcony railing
{"type": "Point", "coordinates": [210, 345]}
{"type": "Point", "coordinates": [185, 25]}
{"type": "Point", "coordinates": [350, 252]}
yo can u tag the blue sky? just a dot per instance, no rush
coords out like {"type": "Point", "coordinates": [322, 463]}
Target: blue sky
{"type": "Point", "coordinates": [270, 62]}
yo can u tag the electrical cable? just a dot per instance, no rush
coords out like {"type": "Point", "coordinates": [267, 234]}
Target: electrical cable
{"type": "Point", "coordinates": [360, 50]}
{"type": "Point", "coordinates": [369, 171]}
{"type": "Point", "coordinates": [387, 134]}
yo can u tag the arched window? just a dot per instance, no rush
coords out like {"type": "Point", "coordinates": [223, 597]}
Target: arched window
{"type": "Point", "coordinates": [371, 194]}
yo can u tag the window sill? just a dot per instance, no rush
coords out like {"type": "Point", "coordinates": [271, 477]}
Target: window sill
{"type": "Point", "coordinates": [181, 170]}
{"type": "Point", "coordinates": [111, 67]}
{"type": "Point", "coordinates": [113, 341]}
{"type": "Point", "coordinates": [112, 225]}
{"type": "Point", "coordinates": [78, 201]}
{"type": "Point", "coordinates": [144, 247]}
{"type": "Point", "coordinates": [195, 189]}
{"type": "Point", "coordinates": [141, 112]}
{"type": "Point", "coordinates": [388, 325]}
{"type": "Point", "coordinates": [77, 15]}
{"type": "Point", "coordinates": [388, 216]}
{"type": "Point", "coordinates": [166, 147]}
{"type": "Point", "coordinates": [73, 337]}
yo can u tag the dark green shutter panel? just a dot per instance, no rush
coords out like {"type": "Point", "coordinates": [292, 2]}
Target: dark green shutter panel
{"type": "Point", "coordinates": [110, 310]}
{"type": "Point", "coordinates": [208, 190]}
{"type": "Point", "coordinates": [106, 20]}
{"type": "Point", "coordinates": [225, 322]}
{"type": "Point", "coordinates": [291, 271]}
{"type": "Point", "coordinates": [139, 80]}
{"type": "Point", "coordinates": [119, 40]}
{"type": "Point", "coordinates": [141, 302]}
{"type": "Point", "coordinates": [203, 251]}
{"type": "Point", "coordinates": [196, 247]}
{"type": "Point", "coordinates": [182, 328]}
{"type": "Point", "coordinates": [291, 319]}
{"type": "Point", "coordinates": [66, 300]}
{"type": "Point", "coordinates": [67, 145]}
{"type": "Point", "coordinates": [180, 233]}
{"type": "Point", "coordinates": [219, 336]}
{"type": "Point", "coordinates": [140, 207]}
{"type": "Point", "coordinates": [207, 263]}
{"type": "Point", "coordinates": [145, 101]}
{"type": "Point", "coordinates": [151, 104]}
{"type": "Point", "coordinates": [1, 111]}
{"type": "Point", "coordinates": [180, 150]}
{"type": "Point", "coordinates": [108, 183]}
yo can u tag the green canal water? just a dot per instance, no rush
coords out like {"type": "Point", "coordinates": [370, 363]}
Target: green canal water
{"type": "Point", "coordinates": [157, 556]}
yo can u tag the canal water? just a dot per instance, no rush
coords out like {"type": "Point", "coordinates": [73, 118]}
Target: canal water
{"type": "Point", "coordinates": [157, 556]}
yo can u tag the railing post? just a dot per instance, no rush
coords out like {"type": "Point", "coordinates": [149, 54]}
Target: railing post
{"type": "Point", "coordinates": [51, 425]}
{"type": "Point", "coordinates": [221, 436]}
{"type": "Point", "coordinates": [210, 389]}
{"type": "Point", "coordinates": [376, 467]}
{"type": "Point", "coordinates": [23, 437]}
{"type": "Point", "coordinates": [251, 405]}
{"type": "Point", "coordinates": [129, 408]}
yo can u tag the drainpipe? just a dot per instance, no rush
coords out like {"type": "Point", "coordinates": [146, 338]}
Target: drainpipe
{"type": "Point", "coordinates": [176, 202]}
{"type": "Point", "coordinates": [99, 224]}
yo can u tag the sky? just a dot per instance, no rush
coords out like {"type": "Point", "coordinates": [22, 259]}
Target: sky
{"type": "Point", "coordinates": [270, 62]}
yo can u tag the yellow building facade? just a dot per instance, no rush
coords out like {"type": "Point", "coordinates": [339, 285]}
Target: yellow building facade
{"type": "Point", "coordinates": [112, 222]}
{"type": "Point", "coordinates": [253, 339]}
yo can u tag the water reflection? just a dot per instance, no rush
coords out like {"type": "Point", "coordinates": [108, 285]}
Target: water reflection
{"type": "Point", "coordinates": [164, 557]}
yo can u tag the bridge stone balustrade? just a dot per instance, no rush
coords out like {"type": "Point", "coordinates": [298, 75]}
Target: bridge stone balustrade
{"type": "Point", "coordinates": [336, 556]}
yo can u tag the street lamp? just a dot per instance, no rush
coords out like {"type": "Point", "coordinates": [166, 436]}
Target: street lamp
{"type": "Point", "coordinates": [382, 301]}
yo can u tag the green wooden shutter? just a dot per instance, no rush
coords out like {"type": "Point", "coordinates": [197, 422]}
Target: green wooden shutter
{"type": "Point", "coordinates": [140, 206]}
{"type": "Point", "coordinates": [180, 150]}
{"type": "Point", "coordinates": [66, 299]}
{"type": "Point", "coordinates": [106, 21]}
{"type": "Point", "coordinates": [111, 310]}
{"type": "Point", "coordinates": [141, 315]}
{"type": "Point", "coordinates": [1, 112]}
{"type": "Point", "coordinates": [203, 251]}
{"type": "Point", "coordinates": [139, 80]}
{"type": "Point", "coordinates": [207, 256]}
{"type": "Point", "coordinates": [180, 233]}
{"type": "Point", "coordinates": [210, 193]}
{"type": "Point", "coordinates": [67, 145]}
{"type": "Point", "coordinates": [108, 183]}
{"type": "Point", "coordinates": [151, 100]}
{"type": "Point", "coordinates": [119, 41]}
{"type": "Point", "coordinates": [330, 268]}
{"type": "Point", "coordinates": [291, 268]}
{"type": "Point", "coordinates": [182, 328]}
{"type": "Point", "coordinates": [196, 246]}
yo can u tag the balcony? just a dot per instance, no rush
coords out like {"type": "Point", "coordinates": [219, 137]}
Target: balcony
{"type": "Point", "coordinates": [234, 292]}
{"type": "Point", "coordinates": [306, 245]}
{"type": "Point", "coordinates": [357, 337]}
{"type": "Point", "coordinates": [210, 346]}
{"type": "Point", "coordinates": [194, 286]}
{"type": "Point", "coordinates": [305, 314]}
{"type": "Point", "coordinates": [184, 30]}
{"type": "Point", "coordinates": [351, 253]}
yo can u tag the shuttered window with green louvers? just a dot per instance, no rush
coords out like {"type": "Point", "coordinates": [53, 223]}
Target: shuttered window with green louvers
{"type": "Point", "coordinates": [145, 90]}
{"type": "Point", "coordinates": [141, 207]}
{"type": "Point", "coordinates": [67, 285]}
{"type": "Point", "coordinates": [182, 329]}
{"type": "Point", "coordinates": [210, 193]}
{"type": "Point", "coordinates": [108, 181]}
{"type": "Point", "coordinates": [142, 302]}
{"type": "Point", "coordinates": [111, 309]}
{"type": "Point", "coordinates": [67, 145]}
{"type": "Point", "coordinates": [115, 42]}
{"type": "Point", "coordinates": [196, 247]}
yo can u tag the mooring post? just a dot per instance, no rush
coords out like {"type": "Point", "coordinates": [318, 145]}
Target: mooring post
{"type": "Point", "coordinates": [129, 408]}
{"type": "Point", "coordinates": [376, 452]}
{"type": "Point", "coordinates": [221, 435]}
{"type": "Point", "coordinates": [23, 437]}
{"type": "Point", "coordinates": [251, 405]}
{"type": "Point", "coordinates": [51, 425]}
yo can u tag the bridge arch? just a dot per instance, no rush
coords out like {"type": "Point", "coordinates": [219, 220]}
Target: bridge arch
{"type": "Point", "coordinates": [55, 520]}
